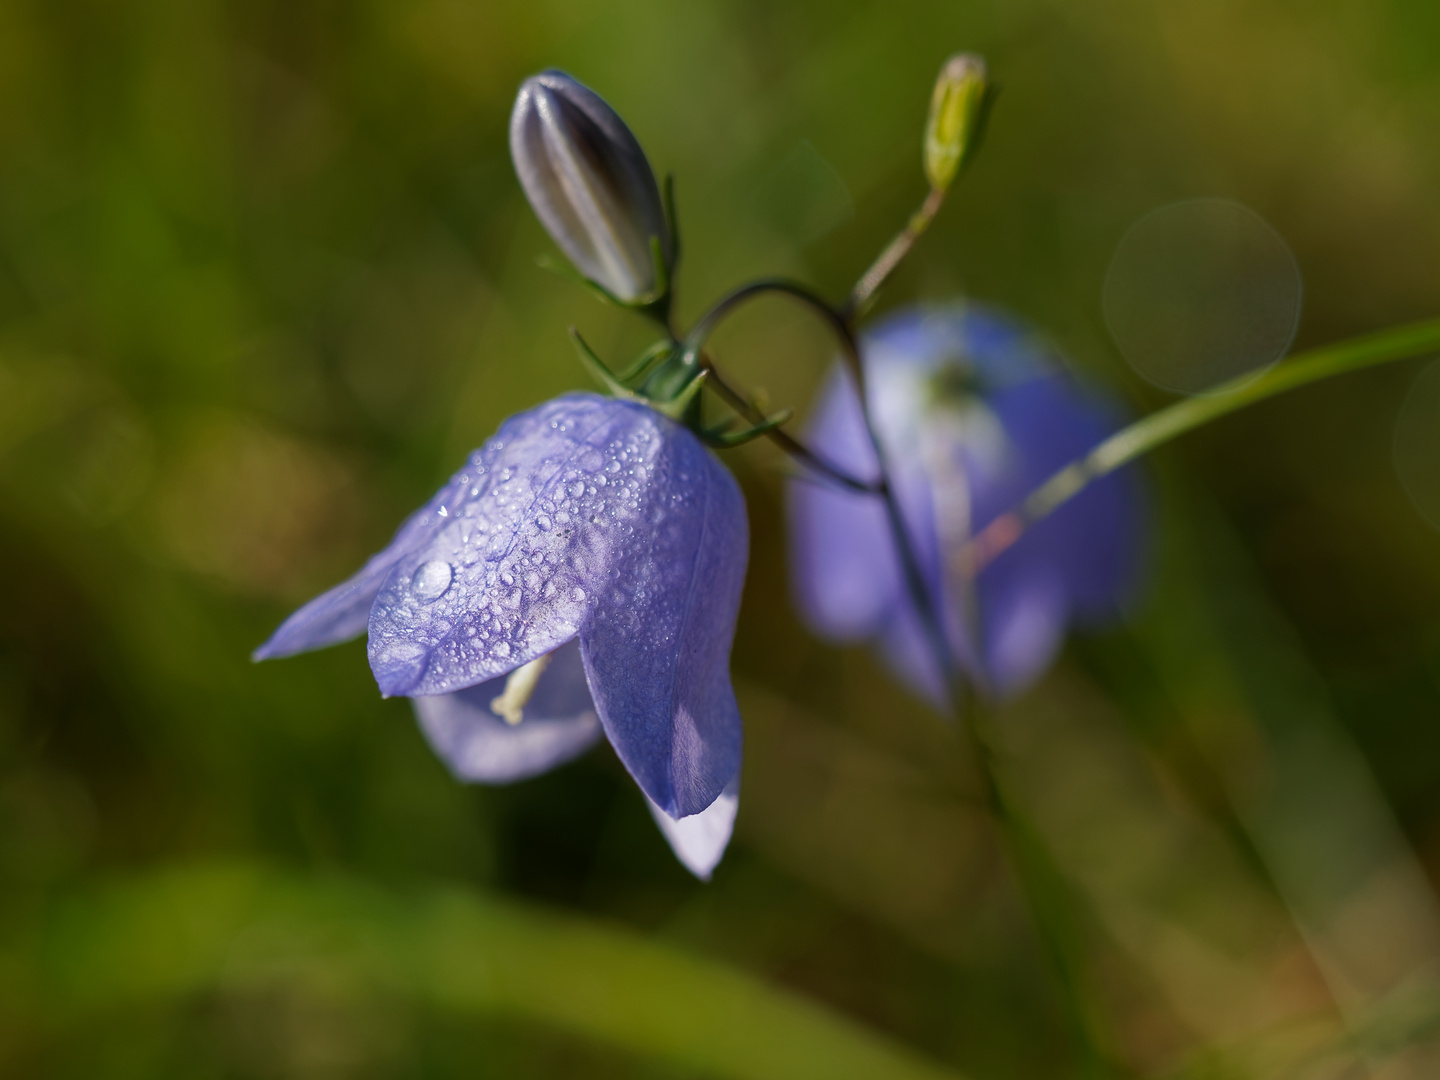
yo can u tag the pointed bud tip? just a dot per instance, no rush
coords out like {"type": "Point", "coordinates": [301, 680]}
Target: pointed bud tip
{"type": "Point", "coordinates": [963, 65]}
{"type": "Point", "coordinates": [956, 114]}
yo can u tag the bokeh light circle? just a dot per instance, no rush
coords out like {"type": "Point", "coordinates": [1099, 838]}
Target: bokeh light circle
{"type": "Point", "coordinates": [1417, 444]}
{"type": "Point", "coordinates": [1200, 292]}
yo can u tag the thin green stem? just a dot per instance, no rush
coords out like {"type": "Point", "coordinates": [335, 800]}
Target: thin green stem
{"type": "Point", "coordinates": [791, 446]}
{"type": "Point", "coordinates": [892, 256]}
{"type": "Point", "coordinates": [1039, 881]}
{"type": "Point", "coordinates": [1399, 343]}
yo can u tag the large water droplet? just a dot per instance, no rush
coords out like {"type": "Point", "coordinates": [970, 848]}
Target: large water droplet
{"type": "Point", "coordinates": [431, 580]}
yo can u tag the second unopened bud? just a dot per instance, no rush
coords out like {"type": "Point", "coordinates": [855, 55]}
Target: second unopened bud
{"type": "Point", "coordinates": [956, 113]}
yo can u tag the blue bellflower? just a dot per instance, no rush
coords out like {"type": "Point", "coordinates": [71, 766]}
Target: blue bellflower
{"type": "Point", "coordinates": [579, 576]}
{"type": "Point", "coordinates": [973, 413]}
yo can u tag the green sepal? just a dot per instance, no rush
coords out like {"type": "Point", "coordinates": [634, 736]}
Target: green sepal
{"type": "Point", "coordinates": [646, 360]}
{"type": "Point", "coordinates": [655, 305]}
{"type": "Point", "coordinates": [676, 407]}
{"type": "Point", "coordinates": [724, 441]}
{"type": "Point", "coordinates": [602, 374]}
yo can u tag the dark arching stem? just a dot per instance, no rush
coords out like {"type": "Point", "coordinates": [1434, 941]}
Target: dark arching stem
{"type": "Point", "coordinates": [1032, 867]}
{"type": "Point", "coordinates": [920, 592]}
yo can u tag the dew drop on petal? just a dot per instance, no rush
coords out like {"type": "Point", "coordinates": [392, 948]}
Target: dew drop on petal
{"type": "Point", "coordinates": [401, 652]}
{"type": "Point", "coordinates": [431, 580]}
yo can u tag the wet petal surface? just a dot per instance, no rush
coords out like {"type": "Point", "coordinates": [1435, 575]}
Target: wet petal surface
{"type": "Point", "coordinates": [657, 649]}
{"type": "Point", "coordinates": [554, 502]}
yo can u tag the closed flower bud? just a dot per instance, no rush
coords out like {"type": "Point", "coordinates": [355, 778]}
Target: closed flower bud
{"type": "Point", "coordinates": [589, 182]}
{"type": "Point", "coordinates": [956, 113]}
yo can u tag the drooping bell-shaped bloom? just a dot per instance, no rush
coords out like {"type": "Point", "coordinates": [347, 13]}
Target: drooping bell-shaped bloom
{"type": "Point", "coordinates": [973, 413]}
{"type": "Point", "coordinates": [579, 576]}
{"type": "Point", "coordinates": [591, 186]}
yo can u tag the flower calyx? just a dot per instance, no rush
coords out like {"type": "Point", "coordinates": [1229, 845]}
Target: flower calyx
{"type": "Point", "coordinates": [665, 376]}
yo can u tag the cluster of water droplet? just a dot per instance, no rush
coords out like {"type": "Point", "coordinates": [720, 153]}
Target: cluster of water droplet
{"type": "Point", "coordinates": [525, 540]}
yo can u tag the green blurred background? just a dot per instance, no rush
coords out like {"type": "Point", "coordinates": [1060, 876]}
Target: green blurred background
{"type": "Point", "coordinates": [265, 277]}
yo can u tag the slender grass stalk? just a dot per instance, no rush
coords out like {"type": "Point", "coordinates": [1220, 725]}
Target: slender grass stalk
{"type": "Point", "coordinates": [1399, 343]}
{"type": "Point", "coordinates": [893, 255]}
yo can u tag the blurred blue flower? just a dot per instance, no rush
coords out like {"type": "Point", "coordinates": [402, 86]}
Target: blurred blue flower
{"type": "Point", "coordinates": [581, 574]}
{"type": "Point", "coordinates": [973, 413]}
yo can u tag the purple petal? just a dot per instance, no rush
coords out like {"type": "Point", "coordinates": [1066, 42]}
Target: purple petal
{"type": "Point", "coordinates": [1024, 610]}
{"type": "Point", "coordinates": [342, 613]}
{"type": "Point", "coordinates": [843, 565]}
{"type": "Point", "coordinates": [559, 724]}
{"type": "Point", "coordinates": [699, 841]}
{"type": "Point", "coordinates": [957, 466]}
{"type": "Point", "coordinates": [557, 499]}
{"type": "Point", "coordinates": [845, 568]}
{"type": "Point", "coordinates": [1096, 539]}
{"type": "Point", "coordinates": [906, 648]}
{"type": "Point", "coordinates": [657, 648]}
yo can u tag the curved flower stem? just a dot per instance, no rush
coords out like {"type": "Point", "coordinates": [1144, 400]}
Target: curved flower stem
{"type": "Point", "coordinates": [891, 257]}
{"type": "Point", "coordinates": [787, 443]}
{"type": "Point", "coordinates": [1400, 343]}
{"type": "Point", "coordinates": [1038, 879]}
{"type": "Point", "coordinates": [920, 592]}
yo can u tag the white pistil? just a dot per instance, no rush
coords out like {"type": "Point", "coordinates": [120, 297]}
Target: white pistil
{"type": "Point", "coordinates": [510, 706]}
